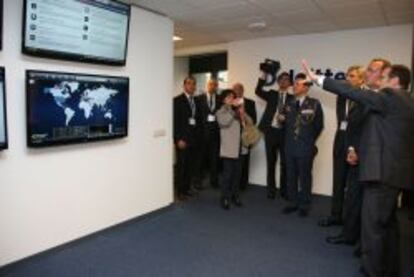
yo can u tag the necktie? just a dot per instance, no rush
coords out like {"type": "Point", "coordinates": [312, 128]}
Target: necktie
{"type": "Point", "coordinates": [211, 103]}
{"type": "Point", "coordinates": [351, 105]}
{"type": "Point", "coordinates": [280, 103]}
{"type": "Point", "coordinates": [347, 102]}
{"type": "Point", "coordinates": [297, 105]}
{"type": "Point", "coordinates": [192, 105]}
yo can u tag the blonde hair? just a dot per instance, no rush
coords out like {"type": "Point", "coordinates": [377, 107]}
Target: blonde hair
{"type": "Point", "coordinates": [359, 70]}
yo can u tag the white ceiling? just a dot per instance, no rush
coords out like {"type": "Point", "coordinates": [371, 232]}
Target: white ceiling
{"type": "Point", "coordinates": [202, 22]}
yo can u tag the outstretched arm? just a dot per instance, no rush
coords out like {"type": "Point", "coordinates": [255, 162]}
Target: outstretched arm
{"type": "Point", "coordinates": [372, 100]}
{"type": "Point", "coordinates": [260, 92]}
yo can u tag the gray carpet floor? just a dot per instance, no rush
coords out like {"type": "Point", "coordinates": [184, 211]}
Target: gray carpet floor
{"type": "Point", "coordinates": [198, 238]}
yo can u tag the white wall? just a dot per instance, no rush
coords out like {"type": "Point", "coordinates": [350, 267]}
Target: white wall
{"type": "Point", "coordinates": [336, 51]}
{"type": "Point", "coordinates": [54, 195]}
{"type": "Point", "coordinates": [181, 69]}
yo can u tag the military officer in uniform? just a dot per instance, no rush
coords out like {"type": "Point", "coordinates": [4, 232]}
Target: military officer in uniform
{"type": "Point", "coordinates": [304, 124]}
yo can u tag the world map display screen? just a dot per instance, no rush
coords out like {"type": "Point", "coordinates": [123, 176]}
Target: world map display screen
{"type": "Point", "coordinates": [67, 108]}
{"type": "Point", "coordinates": [82, 30]}
{"type": "Point", "coordinates": [3, 119]}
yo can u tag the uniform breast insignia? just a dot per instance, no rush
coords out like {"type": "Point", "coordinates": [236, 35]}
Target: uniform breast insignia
{"type": "Point", "coordinates": [308, 114]}
{"type": "Point", "coordinates": [304, 117]}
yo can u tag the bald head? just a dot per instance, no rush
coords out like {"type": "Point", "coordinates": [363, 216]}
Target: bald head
{"type": "Point", "coordinates": [212, 86]}
{"type": "Point", "coordinates": [238, 89]}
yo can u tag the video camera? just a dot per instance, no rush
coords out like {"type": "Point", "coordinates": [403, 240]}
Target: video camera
{"type": "Point", "coordinates": [271, 68]}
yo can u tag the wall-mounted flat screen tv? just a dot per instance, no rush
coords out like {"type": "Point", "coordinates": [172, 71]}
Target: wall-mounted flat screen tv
{"type": "Point", "coordinates": [82, 30]}
{"type": "Point", "coordinates": [67, 108]}
{"type": "Point", "coordinates": [3, 113]}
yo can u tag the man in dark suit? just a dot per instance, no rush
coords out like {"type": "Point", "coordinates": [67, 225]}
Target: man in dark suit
{"type": "Point", "coordinates": [250, 109]}
{"type": "Point", "coordinates": [386, 163]}
{"type": "Point", "coordinates": [351, 231]}
{"type": "Point", "coordinates": [346, 111]}
{"type": "Point", "coordinates": [274, 130]}
{"type": "Point", "coordinates": [186, 137]}
{"type": "Point", "coordinates": [304, 124]}
{"type": "Point", "coordinates": [209, 104]}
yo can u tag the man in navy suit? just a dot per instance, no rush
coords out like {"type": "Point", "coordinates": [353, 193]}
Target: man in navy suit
{"type": "Point", "coordinates": [348, 114]}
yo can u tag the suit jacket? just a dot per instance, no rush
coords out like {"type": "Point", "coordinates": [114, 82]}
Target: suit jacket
{"type": "Point", "coordinates": [181, 120]}
{"type": "Point", "coordinates": [250, 108]}
{"type": "Point", "coordinates": [230, 132]}
{"type": "Point", "coordinates": [386, 152]}
{"type": "Point", "coordinates": [208, 128]}
{"type": "Point", "coordinates": [303, 126]}
{"type": "Point", "coordinates": [272, 99]}
{"type": "Point", "coordinates": [339, 147]}
{"type": "Point", "coordinates": [356, 114]}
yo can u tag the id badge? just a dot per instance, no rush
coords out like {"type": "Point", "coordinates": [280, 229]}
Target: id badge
{"type": "Point", "coordinates": [211, 118]}
{"type": "Point", "coordinates": [192, 122]}
{"type": "Point", "coordinates": [344, 125]}
{"type": "Point", "coordinates": [275, 122]}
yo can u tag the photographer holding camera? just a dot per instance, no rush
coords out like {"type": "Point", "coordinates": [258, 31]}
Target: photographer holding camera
{"type": "Point", "coordinates": [273, 121]}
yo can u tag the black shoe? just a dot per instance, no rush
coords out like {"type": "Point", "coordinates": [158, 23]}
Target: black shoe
{"type": "Point", "coordinates": [236, 201]}
{"type": "Point", "coordinates": [214, 185]}
{"type": "Point", "coordinates": [363, 272]}
{"type": "Point", "coordinates": [357, 252]}
{"type": "Point", "coordinates": [181, 197]}
{"type": "Point", "coordinates": [289, 209]}
{"type": "Point", "coordinates": [340, 239]}
{"type": "Point", "coordinates": [329, 221]}
{"type": "Point", "coordinates": [225, 203]}
{"type": "Point", "coordinates": [189, 194]}
{"type": "Point", "coordinates": [271, 195]}
{"type": "Point", "coordinates": [194, 189]}
{"type": "Point", "coordinates": [283, 195]}
{"type": "Point", "coordinates": [198, 187]}
{"type": "Point", "coordinates": [303, 213]}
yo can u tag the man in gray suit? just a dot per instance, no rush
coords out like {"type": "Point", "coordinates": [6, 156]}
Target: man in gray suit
{"type": "Point", "coordinates": [386, 163]}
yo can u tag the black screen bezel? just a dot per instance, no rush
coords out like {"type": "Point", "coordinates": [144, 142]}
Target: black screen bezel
{"type": "Point", "coordinates": [4, 145]}
{"type": "Point", "coordinates": [71, 141]}
{"type": "Point", "coordinates": [50, 54]}
{"type": "Point", "coordinates": [1, 24]}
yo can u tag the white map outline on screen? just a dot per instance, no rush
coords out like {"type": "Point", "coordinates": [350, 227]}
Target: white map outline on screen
{"type": "Point", "coordinates": [90, 98]}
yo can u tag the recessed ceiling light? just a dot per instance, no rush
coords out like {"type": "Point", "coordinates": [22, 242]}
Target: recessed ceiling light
{"type": "Point", "coordinates": [257, 26]}
{"type": "Point", "coordinates": [177, 38]}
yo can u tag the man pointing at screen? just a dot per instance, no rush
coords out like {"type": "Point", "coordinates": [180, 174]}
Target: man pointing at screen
{"type": "Point", "coordinates": [386, 162]}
